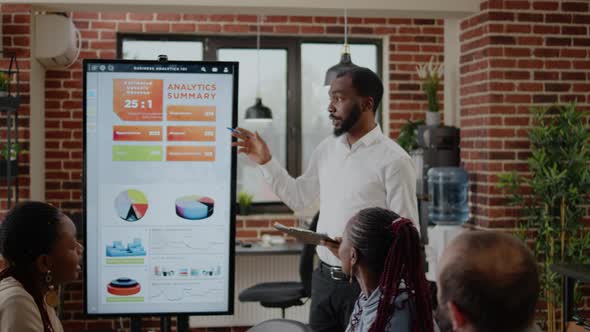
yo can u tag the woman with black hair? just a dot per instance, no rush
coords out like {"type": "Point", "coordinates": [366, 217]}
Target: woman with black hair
{"type": "Point", "coordinates": [38, 242]}
{"type": "Point", "coordinates": [382, 252]}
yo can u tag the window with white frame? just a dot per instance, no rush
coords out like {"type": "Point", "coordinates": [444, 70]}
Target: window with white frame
{"type": "Point", "coordinates": [291, 78]}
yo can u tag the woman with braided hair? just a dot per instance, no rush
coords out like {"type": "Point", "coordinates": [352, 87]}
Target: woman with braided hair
{"type": "Point", "coordinates": [382, 252]}
{"type": "Point", "coordinates": [38, 242]}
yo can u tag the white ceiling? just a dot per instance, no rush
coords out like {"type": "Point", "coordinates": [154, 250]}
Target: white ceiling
{"type": "Point", "coordinates": [366, 8]}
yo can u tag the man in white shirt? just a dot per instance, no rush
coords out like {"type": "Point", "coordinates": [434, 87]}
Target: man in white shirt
{"type": "Point", "coordinates": [356, 168]}
{"type": "Point", "coordinates": [488, 282]}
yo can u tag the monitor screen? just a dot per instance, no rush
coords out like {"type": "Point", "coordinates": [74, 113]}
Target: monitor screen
{"type": "Point", "coordinates": [159, 186]}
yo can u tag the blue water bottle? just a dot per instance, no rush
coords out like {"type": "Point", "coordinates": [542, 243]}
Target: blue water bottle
{"type": "Point", "coordinates": [447, 190]}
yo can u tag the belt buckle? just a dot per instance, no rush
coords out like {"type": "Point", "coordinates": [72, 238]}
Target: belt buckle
{"type": "Point", "coordinates": [337, 274]}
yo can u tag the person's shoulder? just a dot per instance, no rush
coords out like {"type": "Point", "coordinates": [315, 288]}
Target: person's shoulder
{"type": "Point", "coordinates": [393, 148]}
{"type": "Point", "coordinates": [393, 152]}
{"type": "Point", "coordinates": [12, 286]}
{"type": "Point", "coordinates": [13, 293]}
{"type": "Point", "coordinates": [18, 311]}
{"type": "Point", "coordinates": [327, 144]}
{"type": "Point", "coordinates": [328, 141]}
{"type": "Point", "coordinates": [401, 320]}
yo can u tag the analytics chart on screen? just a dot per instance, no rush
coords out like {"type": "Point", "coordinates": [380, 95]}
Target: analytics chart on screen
{"type": "Point", "coordinates": [159, 186]}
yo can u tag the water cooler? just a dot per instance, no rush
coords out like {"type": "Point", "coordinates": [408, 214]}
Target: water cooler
{"type": "Point", "coordinates": [441, 189]}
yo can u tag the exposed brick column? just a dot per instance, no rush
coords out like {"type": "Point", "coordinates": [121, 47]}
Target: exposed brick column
{"type": "Point", "coordinates": [515, 54]}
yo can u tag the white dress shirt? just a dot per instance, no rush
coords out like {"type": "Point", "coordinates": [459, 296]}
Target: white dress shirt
{"type": "Point", "coordinates": [373, 172]}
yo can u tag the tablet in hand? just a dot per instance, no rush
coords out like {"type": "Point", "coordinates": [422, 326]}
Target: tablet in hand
{"type": "Point", "coordinates": [304, 235]}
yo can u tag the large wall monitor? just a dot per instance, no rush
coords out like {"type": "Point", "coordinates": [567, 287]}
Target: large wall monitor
{"type": "Point", "coordinates": [159, 186]}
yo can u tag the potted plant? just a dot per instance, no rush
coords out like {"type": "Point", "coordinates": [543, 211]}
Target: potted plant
{"type": "Point", "coordinates": [244, 201]}
{"type": "Point", "coordinates": [12, 152]}
{"type": "Point", "coordinates": [431, 73]}
{"type": "Point", "coordinates": [8, 158]}
{"type": "Point", "coordinates": [4, 83]}
{"type": "Point", "coordinates": [551, 199]}
{"type": "Point", "coordinates": [408, 134]}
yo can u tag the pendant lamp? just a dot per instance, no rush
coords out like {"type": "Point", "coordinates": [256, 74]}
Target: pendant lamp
{"type": "Point", "coordinates": [345, 60]}
{"type": "Point", "coordinates": [258, 111]}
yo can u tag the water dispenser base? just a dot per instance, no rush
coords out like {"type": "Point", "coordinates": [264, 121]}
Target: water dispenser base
{"type": "Point", "coordinates": [439, 237]}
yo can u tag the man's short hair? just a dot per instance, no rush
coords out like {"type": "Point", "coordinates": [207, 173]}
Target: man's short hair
{"type": "Point", "coordinates": [493, 280]}
{"type": "Point", "coordinates": [366, 83]}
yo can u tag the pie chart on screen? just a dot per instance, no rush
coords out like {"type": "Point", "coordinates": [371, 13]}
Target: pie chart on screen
{"type": "Point", "coordinates": [131, 205]}
{"type": "Point", "coordinates": [194, 207]}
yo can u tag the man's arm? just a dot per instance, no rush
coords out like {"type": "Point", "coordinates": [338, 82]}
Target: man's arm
{"type": "Point", "coordinates": [296, 193]}
{"type": "Point", "coordinates": [400, 187]}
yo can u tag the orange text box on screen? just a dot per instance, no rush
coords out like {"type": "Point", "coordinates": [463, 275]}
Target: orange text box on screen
{"type": "Point", "coordinates": [191, 113]}
{"type": "Point", "coordinates": [137, 133]}
{"type": "Point", "coordinates": [190, 153]}
{"type": "Point", "coordinates": [191, 133]}
{"type": "Point", "coordinates": [137, 99]}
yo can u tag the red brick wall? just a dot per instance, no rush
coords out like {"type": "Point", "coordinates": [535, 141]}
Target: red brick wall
{"type": "Point", "coordinates": [252, 228]}
{"type": "Point", "coordinates": [410, 41]}
{"type": "Point", "coordinates": [514, 55]}
{"type": "Point", "coordinates": [16, 38]}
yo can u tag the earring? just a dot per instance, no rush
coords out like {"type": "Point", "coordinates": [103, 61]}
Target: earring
{"type": "Point", "coordinates": [51, 297]}
{"type": "Point", "coordinates": [351, 276]}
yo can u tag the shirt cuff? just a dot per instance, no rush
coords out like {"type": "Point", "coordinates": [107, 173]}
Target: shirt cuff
{"type": "Point", "coordinates": [270, 169]}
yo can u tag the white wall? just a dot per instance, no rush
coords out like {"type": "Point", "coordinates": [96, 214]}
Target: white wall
{"type": "Point", "coordinates": [452, 52]}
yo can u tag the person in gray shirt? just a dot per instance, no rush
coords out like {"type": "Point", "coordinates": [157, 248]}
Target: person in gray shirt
{"type": "Point", "coordinates": [381, 251]}
{"type": "Point", "coordinates": [488, 282]}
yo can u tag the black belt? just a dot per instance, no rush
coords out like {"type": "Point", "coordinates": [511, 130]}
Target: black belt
{"type": "Point", "coordinates": [334, 272]}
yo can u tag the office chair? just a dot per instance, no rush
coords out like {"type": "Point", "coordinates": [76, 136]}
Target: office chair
{"type": "Point", "coordinates": [286, 294]}
{"type": "Point", "coordinates": [283, 325]}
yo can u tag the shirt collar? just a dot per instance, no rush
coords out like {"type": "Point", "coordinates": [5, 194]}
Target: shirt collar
{"type": "Point", "coordinates": [371, 304]}
{"type": "Point", "coordinates": [368, 139]}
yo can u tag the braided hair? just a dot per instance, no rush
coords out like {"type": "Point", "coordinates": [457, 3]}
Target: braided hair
{"type": "Point", "coordinates": [390, 247]}
{"type": "Point", "coordinates": [29, 230]}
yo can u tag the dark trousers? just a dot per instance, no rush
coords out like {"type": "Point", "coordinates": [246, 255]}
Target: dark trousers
{"type": "Point", "coordinates": [332, 302]}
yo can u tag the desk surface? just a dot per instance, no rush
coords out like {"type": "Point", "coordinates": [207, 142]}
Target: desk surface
{"type": "Point", "coordinates": [579, 272]}
{"type": "Point", "coordinates": [258, 249]}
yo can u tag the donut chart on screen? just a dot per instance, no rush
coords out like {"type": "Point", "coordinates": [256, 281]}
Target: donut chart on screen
{"type": "Point", "coordinates": [131, 205]}
{"type": "Point", "coordinates": [123, 287]}
{"type": "Point", "coordinates": [194, 207]}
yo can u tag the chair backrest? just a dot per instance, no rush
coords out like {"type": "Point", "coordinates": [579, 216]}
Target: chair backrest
{"type": "Point", "coordinates": [282, 325]}
{"type": "Point", "coordinates": [306, 261]}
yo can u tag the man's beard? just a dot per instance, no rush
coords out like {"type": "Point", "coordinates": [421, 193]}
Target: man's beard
{"type": "Point", "coordinates": [350, 121]}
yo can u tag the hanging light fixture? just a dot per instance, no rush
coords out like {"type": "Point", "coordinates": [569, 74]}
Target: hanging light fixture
{"type": "Point", "coordinates": [258, 111]}
{"type": "Point", "coordinates": [345, 60]}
